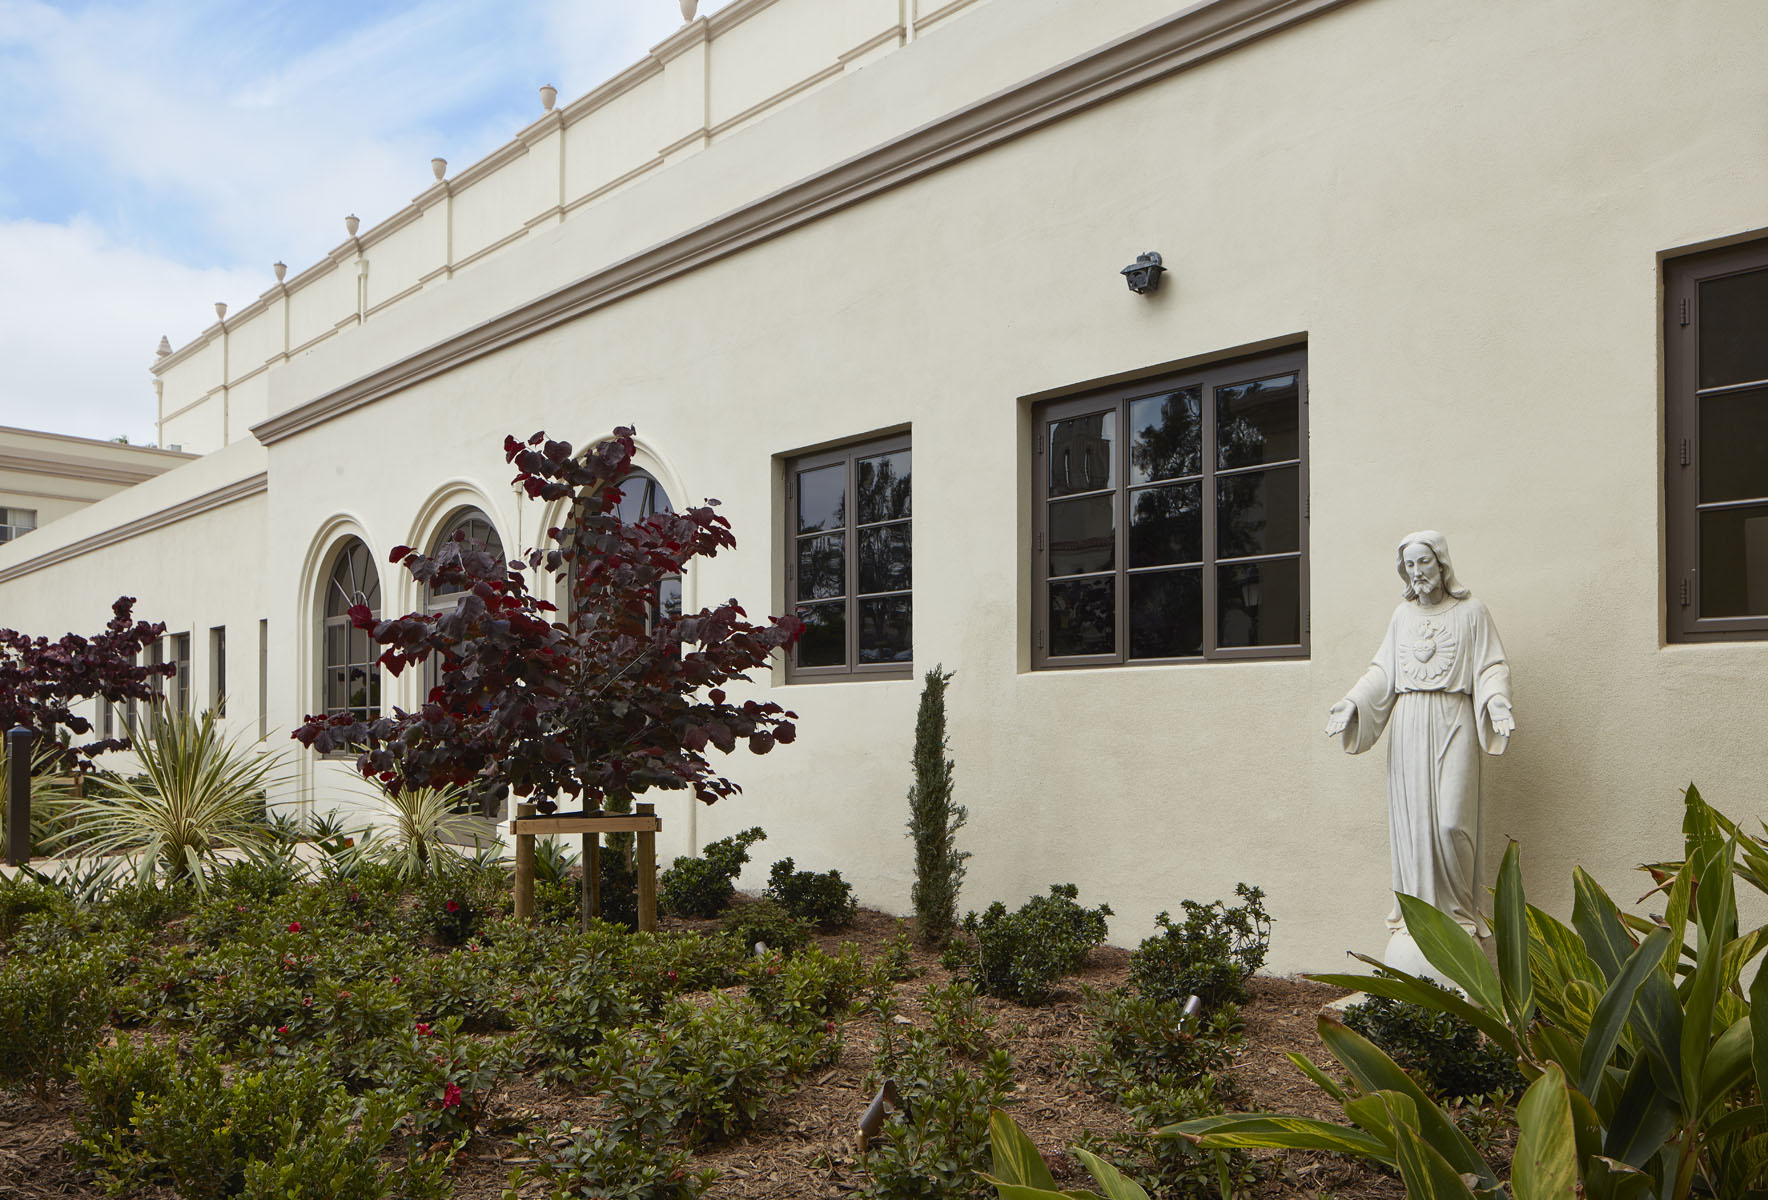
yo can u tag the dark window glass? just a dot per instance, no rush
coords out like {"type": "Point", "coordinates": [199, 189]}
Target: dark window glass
{"type": "Point", "coordinates": [1209, 559]}
{"type": "Point", "coordinates": [1734, 329]}
{"type": "Point", "coordinates": [850, 566]}
{"type": "Point", "coordinates": [1716, 408]}
{"type": "Point", "coordinates": [352, 676]}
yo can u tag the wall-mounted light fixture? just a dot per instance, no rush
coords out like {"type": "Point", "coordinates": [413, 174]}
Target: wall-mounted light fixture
{"type": "Point", "coordinates": [1143, 275]}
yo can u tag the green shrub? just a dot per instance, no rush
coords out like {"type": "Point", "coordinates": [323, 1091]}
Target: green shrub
{"type": "Point", "coordinates": [766, 922]}
{"type": "Point", "coordinates": [822, 898]}
{"type": "Point", "coordinates": [22, 898]}
{"type": "Point", "coordinates": [146, 907]}
{"type": "Point", "coordinates": [115, 1077]}
{"type": "Point", "coordinates": [934, 820]}
{"type": "Point", "coordinates": [703, 887]}
{"type": "Point", "coordinates": [596, 1164]}
{"type": "Point", "coordinates": [808, 989]}
{"type": "Point", "coordinates": [1172, 1167]}
{"type": "Point", "coordinates": [565, 1019]}
{"type": "Point", "coordinates": [707, 1071]}
{"type": "Point", "coordinates": [1019, 955]}
{"type": "Point", "coordinates": [455, 906]}
{"type": "Point", "coordinates": [1444, 1053]}
{"type": "Point", "coordinates": [52, 1010]}
{"type": "Point", "coordinates": [934, 1146]}
{"type": "Point", "coordinates": [1210, 955]}
{"type": "Point", "coordinates": [448, 1078]}
{"type": "Point", "coordinates": [956, 1021]}
{"type": "Point", "coordinates": [1139, 1040]}
{"type": "Point", "coordinates": [339, 1158]}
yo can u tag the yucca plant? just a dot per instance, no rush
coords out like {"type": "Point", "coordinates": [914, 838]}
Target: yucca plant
{"type": "Point", "coordinates": [423, 832]}
{"type": "Point", "coordinates": [1648, 1058]}
{"type": "Point", "coordinates": [196, 792]}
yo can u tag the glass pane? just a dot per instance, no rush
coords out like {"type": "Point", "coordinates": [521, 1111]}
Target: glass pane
{"type": "Point", "coordinates": [884, 626]}
{"type": "Point", "coordinates": [1259, 513]}
{"type": "Point", "coordinates": [640, 497]}
{"type": "Point", "coordinates": [1083, 617]}
{"type": "Point", "coordinates": [1166, 436]}
{"type": "Point", "coordinates": [337, 644]}
{"type": "Point", "coordinates": [1734, 329]}
{"type": "Point", "coordinates": [1083, 454]}
{"type": "Point", "coordinates": [669, 596]}
{"type": "Point", "coordinates": [1258, 422]}
{"type": "Point", "coordinates": [1734, 446]}
{"type": "Point", "coordinates": [884, 487]}
{"type": "Point", "coordinates": [824, 643]}
{"type": "Point", "coordinates": [1166, 525]}
{"type": "Point", "coordinates": [337, 691]}
{"type": "Point", "coordinates": [1259, 604]}
{"type": "Point", "coordinates": [359, 651]}
{"type": "Point", "coordinates": [373, 674]}
{"type": "Point", "coordinates": [822, 567]}
{"type": "Point", "coordinates": [1734, 562]}
{"type": "Point", "coordinates": [1083, 535]}
{"type": "Point", "coordinates": [822, 498]}
{"type": "Point", "coordinates": [884, 558]}
{"type": "Point", "coordinates": [1166, 614]}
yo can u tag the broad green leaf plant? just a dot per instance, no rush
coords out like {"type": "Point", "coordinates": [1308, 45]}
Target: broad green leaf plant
{"type": "Point", "coordinates": [197, 791]}
{"type": "Point", "coordinates": [1647, 1054]}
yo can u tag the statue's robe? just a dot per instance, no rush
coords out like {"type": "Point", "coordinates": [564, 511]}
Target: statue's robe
{"type": "Point", "coordinates": [1432, 683]}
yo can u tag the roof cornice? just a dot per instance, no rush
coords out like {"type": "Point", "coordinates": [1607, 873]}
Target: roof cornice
{"type": "Point", "coordinates": [1197, 35]}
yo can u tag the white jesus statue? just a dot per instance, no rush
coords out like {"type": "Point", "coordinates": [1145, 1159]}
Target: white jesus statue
{"type": "Point", "coordinates": [1441, 684]}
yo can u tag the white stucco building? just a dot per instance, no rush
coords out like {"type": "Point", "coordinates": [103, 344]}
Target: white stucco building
{"type": "Point", "coordinates": [1499, 269]}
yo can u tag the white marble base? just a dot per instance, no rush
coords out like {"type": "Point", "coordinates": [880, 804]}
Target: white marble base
{"type": "Point", "coordinates": [1403, 954]}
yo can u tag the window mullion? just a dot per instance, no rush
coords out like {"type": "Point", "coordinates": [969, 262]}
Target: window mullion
{"type": "Point", "coordinates": [851, 538]}
{"type": "Point", "coordinates": [1208, 549]}
{"type": "Point", "coordinates": [1120, 500]}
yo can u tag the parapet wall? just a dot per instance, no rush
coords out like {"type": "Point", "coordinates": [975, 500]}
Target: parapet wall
{"type": "Point", "coordinates": [710, 79]}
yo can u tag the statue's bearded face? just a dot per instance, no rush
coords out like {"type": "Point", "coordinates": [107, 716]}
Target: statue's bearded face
{"type": "Point", "coordinates": [1423, 572]}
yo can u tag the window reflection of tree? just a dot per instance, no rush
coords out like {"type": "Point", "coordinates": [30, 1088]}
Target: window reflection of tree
{"type": "Point", "coordinates": [352, 675]}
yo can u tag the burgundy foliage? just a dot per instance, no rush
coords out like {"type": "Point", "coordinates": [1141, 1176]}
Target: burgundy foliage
{"type": "Point", "coordinates": [618, 699]}
{"type": "Point", "coordinates": [41, 679]}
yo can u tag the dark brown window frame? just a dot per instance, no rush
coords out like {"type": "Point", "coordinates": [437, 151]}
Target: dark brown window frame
{"type": "Point", "coordinates": [1210, 376]}
{"type": "Point", "coordinates": [849, 453]}
{"type": "Point", "coordinates": [1682, 394]}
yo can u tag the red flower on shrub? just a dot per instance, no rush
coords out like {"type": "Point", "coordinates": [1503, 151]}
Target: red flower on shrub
{"type": "Point", "coordinates": [452, 906]}
{"type": "Point", "coordinates": [294, 927]}
{"type": "Point", "coordinates": [423, 1029]}
{"type": "Point", "coordinates": [282, 1029]}
{"type": "Point", "coordinates": [451, 1096]}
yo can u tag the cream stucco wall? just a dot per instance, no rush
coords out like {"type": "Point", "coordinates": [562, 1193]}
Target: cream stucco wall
{"type": "Point", "coordinates": [1460, 209]}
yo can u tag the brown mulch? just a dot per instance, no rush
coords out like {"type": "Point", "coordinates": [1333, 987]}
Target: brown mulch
{"type": "Point", "coordinates": [804, 1146]}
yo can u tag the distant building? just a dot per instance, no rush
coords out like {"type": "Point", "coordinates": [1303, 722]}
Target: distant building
{"type": "Point", "coordinates": [853, 268]}
{"type": "Point", "coordinates": [44, 476]}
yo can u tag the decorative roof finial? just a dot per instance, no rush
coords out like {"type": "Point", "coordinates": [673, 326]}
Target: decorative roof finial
{"type": "Point", "coordinates": [220, 310]}
{"type": "Point", "coordinates": [281, 269]}
{"type": "Point", "coordinates": [439, 166]}
{"type": "Point", "coordinates": [165, 346]}
{"type": "Point", "coordinates": [687, 9]}
{"type": "Point", "coordinates": [549, 96]}
{"type": "Point", "coordinates": [351, 224]}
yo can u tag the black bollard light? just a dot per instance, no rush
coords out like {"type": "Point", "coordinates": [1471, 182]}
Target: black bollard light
{"type": "Point", "coordinates": [18, 796]}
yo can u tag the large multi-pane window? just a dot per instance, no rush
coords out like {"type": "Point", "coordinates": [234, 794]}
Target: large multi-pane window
{"type": "Point", "coordinates": [16, 522]}
{"type": "Point", "coordinates": [849, 559]}
{"type": "Point", "coordinates": [642, 497]}
{"type": "Point", "coordinates": [352, 676]}
{"type": "Point", "coordinates": [1171, 518]}
{"type": "Point", "coordinates": [1716, 401]}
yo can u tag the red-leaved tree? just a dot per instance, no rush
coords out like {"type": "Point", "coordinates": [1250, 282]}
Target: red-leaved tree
{"type": "Point", "coordinates": [40, 680]}
{"type": "Point", "coordinates": [620, 697]}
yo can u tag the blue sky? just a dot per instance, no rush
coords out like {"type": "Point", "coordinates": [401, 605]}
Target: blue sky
{"type": "Point", "coordinates": [158, 155]}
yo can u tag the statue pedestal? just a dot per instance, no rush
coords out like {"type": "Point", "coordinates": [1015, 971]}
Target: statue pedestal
{"type": "Point", "coordinates": [1403, 954]}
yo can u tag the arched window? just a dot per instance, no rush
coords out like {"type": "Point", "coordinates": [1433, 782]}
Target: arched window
{"type": "Point", "coordinates": [352, 676]}
{"type": "Point", "coordinates": [642, 496]}
{"type": "Point", "coordinates": [479, 534]}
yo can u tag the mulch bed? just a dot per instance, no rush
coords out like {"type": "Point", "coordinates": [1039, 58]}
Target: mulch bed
{"type": "Point", "coordinates": [804, 1146]}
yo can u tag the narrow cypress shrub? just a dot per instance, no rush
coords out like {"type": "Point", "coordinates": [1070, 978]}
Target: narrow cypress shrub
{"type": "Point", "coordinates": [934, 820]}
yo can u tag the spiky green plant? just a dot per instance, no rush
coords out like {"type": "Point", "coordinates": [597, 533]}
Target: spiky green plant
{"type": "Point", "coordinates": [423, 830]}
{"type": "Point", "coordinates": [934, 820]}
{"type": "Point", "coordinates": [51, 793]}
{"type": "Point", "coordinates": [196, 792]}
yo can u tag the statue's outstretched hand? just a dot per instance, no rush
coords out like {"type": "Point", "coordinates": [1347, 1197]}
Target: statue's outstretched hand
{"type": "Point", "coordinates": [1503, 720]}
{"type": "Point", "coordinates": [1339, 717]}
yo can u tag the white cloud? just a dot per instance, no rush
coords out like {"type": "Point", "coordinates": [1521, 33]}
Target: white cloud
{"type": "Point", "coordinates": [79, 320]}
{"type": "Point", "coordinates": [189, 143]}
